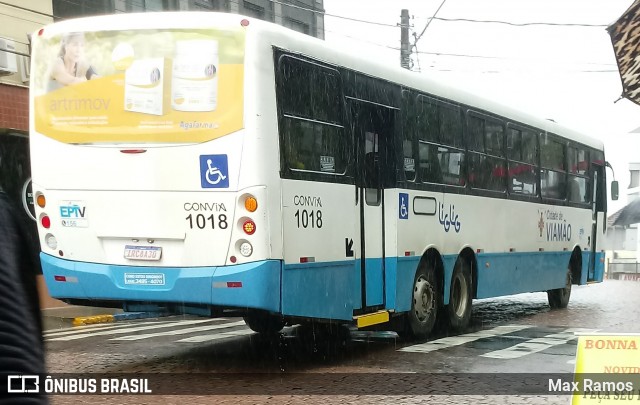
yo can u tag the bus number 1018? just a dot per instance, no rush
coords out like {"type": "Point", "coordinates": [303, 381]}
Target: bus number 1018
{"type": "Point", "coordinates": [201, 221]}
{"type": "Point", "coordinates": [309, 218]}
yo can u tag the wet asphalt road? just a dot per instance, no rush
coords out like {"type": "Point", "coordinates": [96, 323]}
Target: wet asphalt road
{"type": "Point", "coordinates": [516, 334]}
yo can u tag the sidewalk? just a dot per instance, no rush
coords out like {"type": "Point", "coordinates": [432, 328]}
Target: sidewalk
{"type": "Point", "coordinates": [76, 315]}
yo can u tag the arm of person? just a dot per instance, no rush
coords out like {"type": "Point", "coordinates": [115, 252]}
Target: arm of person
{"type": "Point", "coordinates": [60, 74]}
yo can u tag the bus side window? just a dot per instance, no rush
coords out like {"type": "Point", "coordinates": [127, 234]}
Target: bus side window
{"type": "Point", "coordinates": [371, 167]}
{"type": "Point", "coordinates": [430, 170]}
{"type": "Point", "coordinates": [440, 145]}
{"type": "Point", "coordinates": [311, 131]}
{"type": "Point", "coordinates": [522, 152]}
{"type": "Point", "coordinates": [553, 174]}
{"type": "Point", "coordinates": [486, 157]}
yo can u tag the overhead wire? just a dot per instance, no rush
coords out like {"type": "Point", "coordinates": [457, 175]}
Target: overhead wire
{"type": "Point", "coordinates": [416, 37]}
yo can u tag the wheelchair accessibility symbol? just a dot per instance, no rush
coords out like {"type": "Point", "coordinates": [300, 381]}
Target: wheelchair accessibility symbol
{"type": "Point", "coordinates": [214, 171]}
{"type": "Point", "coordinates": [403, 206]}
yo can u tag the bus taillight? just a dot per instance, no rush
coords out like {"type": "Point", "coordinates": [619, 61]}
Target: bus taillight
{"type": "Point", "coordinates": [246, 249]}
{"type": "Point", "coordinates": [251, 204]}
{"type": "Point", "coordinates": [41, 200]}
{"type": "Point", "coordinates": [51, 241]}
{"type": "Point", "coordinates": [249, 227]}
{"type": "Point", "coordinates": [45, 221]}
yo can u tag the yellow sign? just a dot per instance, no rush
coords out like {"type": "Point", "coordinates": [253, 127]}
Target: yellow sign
{"type": "Point", "coordinates": [141, 86]}
{"type": "Point", "coordinates": [607, 370]}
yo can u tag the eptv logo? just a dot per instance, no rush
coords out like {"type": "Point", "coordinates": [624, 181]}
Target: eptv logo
{"type": "Point", "coordinates": [19, 384]}
{"type": "Point", "coordinates": [72, 209]}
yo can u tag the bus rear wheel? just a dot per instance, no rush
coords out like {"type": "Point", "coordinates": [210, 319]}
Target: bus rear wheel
{"type": "Point", "coordinates": [559, 298]}
{"type": "Point", "coordinates": [459, 308]}
{"type": "Point", "coordinates": [263, 322]}
{"type": "Point", "coordinates": [425, 301]}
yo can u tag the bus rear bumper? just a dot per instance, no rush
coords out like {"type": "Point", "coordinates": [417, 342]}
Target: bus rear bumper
{"type": "Point", "coordinates": [249, 285]}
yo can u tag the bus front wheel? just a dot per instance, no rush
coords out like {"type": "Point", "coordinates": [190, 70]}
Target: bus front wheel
{"type": "Point", "coordinates": [263, 322]}
{"type": "Point", "coordinates": [459, 308]}
{"type": "Point", "coordinates": [559, 298]}
{"type": "Point", "coordinates": [424, 303]}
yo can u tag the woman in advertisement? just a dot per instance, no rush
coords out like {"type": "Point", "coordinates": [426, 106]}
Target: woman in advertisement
{"type": "Point", "coordinates": [70, 66]}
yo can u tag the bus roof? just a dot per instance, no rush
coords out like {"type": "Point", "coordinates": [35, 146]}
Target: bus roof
{"type": "Point", "coordinates": [338, 54]}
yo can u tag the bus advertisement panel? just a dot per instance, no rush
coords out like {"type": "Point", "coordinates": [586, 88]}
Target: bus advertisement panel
{"type": "Point", "coordinates": [138, 86]}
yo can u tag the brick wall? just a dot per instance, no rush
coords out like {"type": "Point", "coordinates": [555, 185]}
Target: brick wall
{"type": "Point", "coordinates": [14, 107]}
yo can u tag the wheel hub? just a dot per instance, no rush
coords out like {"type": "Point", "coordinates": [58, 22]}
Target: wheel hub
{"type": "Point", "coordinates": [459, 296]}
{"type": "Point", "coordinates": [423, 299]}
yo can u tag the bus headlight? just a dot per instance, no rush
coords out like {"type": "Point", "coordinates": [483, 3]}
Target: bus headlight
{"type": "Point", "coordinates": [246, 249]}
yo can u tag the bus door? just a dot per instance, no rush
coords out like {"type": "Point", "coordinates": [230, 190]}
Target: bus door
{"type": "Point", "coordinates": [373, 133]}
{"type": "Point", "coordinates": [597, 206]}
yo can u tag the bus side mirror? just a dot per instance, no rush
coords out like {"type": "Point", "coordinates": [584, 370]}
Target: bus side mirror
{"type": "Point", "coordinates": [614, 190]}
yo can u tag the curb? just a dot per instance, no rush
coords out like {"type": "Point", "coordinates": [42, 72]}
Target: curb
{"type": "Point", "coordinates": [96, 319]}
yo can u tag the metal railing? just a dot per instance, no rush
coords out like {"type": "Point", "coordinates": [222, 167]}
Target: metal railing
{"type": "Point", "coordinates": [617, 267]}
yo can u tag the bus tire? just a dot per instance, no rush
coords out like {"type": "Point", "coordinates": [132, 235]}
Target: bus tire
{"type": "Point", "coordinates": [559, 298]}
{"type": "Point", "coordinates": [263, 322]}
{"type": "Point", "coordinates": [425, 302]}
{"type": "Point", "coordinates": [460, 296]}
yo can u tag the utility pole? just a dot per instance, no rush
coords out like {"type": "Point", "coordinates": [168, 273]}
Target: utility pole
{"type": "Point", "coordinates": [405, 49]}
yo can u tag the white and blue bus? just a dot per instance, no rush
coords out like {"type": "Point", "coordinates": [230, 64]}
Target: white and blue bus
{"type": "Point", "coordinates": [204, 162]}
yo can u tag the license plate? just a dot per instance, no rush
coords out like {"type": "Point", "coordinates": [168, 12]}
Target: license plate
{"type": "Point", "coordinates": [142, 252]}
{"type": "Point", "coordinates": [144, 278]}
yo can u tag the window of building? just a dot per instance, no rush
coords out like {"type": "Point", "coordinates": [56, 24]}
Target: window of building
{"type": "Point", "coordinates": [207, 5]}
{"type": "Point", "coordinates": [296, 25]}
{"type": "Point", "coordinates": [634, 178]}
{"type": "Point", "coordinates": [63, 9]}
{"type": "Point", "coordinates": [253, 10]}
{"type": "Point", "coordinates": [154, 5]}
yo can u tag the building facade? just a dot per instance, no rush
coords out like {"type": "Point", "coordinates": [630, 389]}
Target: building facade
{"type": "Point", "coordinates": [623, 242]}
{"type": "Point", "coordinates": [306, 16]}
{"type": "Point", "coordinates": [17, 21]}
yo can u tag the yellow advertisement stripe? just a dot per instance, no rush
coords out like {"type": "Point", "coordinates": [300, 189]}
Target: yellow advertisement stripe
{"type": "Point", "coordinates": [94, 112]}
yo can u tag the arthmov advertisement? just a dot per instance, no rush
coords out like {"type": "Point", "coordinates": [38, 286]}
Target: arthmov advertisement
{"type": "Point", "coordinates": [138, 86]}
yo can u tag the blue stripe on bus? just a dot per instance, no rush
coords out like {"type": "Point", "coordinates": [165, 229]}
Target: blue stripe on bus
{"type": "Point", "coordinates": [250, 285]}
{"type": "Point", "coordinates": [317, 290]}
{"type": "Point", "coordinates": [374, 281]}
{"type": "Point", "coordinates": [512, 273]}
{"type": "Point", "coordinates": [599, 270]}
{"type": "Point", "coordinates": [321, 290]}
